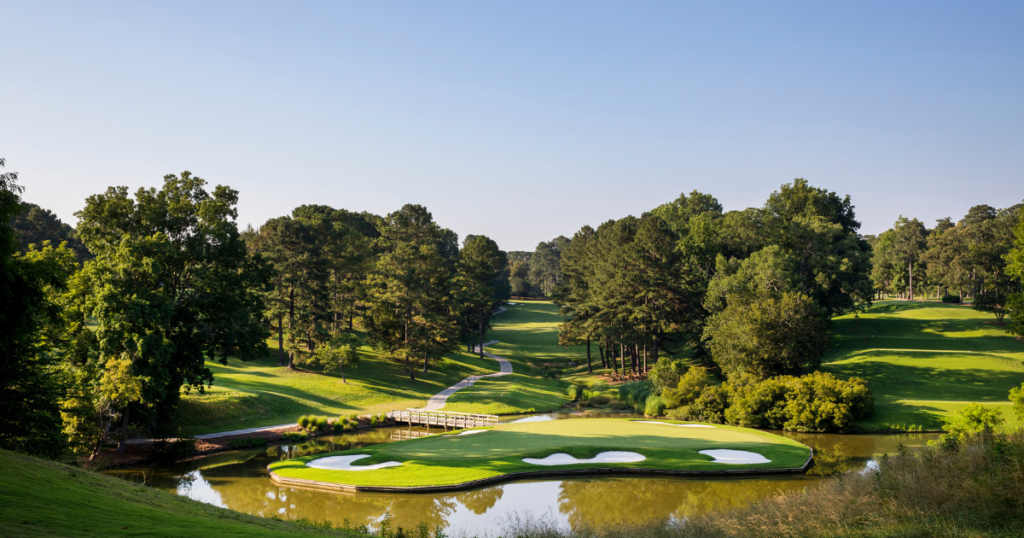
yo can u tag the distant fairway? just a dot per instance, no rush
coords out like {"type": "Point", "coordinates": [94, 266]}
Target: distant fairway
{"type": "Point", "coordinates": [456, 459]}
{"type": "Point", "coordinates": [924, 362]}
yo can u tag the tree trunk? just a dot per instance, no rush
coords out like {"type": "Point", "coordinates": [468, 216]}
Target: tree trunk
{"type": "Point", "coordinates": [124, 429]}
{"type": "Point", "coordinates": [645, 358]}
{"type": "Point", "coordinates": [910, 296]}
{"type": "Point", "coordinates": [291, 324]}
{"type": "Point", "coordinates": [280, 339]}
{"type": "Point", "coordinates": [341, 367]}
{"type": "Point", "coordinates": [424, 362]}
{"type": "Point", "coordinates": [590, 368]}
{"type": "Point", "coordinates": [480, 330]}
{"type": "Point", "coordinates": [654, 352]}
{"type": "Point", "coordinates": [622, 356]}
{"type": "Point", "coordinates": [600, 350]}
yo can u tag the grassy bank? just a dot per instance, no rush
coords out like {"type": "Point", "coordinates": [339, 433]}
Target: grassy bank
{"type": "Point", "coordinates": [43, 498]}
{"type": "Point", "coordinates": [456, 459]}
{"type": "Point", "coordinates": [261, 393]}
{"type": "Point", "coordinates": [926, 361]}
{"type": "Point", "coordinates": [974, 491]}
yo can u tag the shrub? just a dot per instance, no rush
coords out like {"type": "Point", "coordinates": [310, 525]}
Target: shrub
{"type": "Point", "coordinates": [337, 427]}
{"type": "Point", "coordinates": [1017, 398]}
{"type": "Point", "coordinates": [710, 406]}
{"type": "Point", "coordinates": [588, 394]}
{"type": "Point", "coordinates": [654, 406]}
{"type": "Point", "coordinates": [381, 418]}
{"type": "Point", "coordinates": [619, 405]}
{"type": "Point", "coordinates": [666, 374]}
{"type": "Point", "coordinates": [295, 436]}
{"type": "Point", "coordinates": [688, 389]}
{"type": "Point", "coordinates": [758, 404]}
{"type": "Point", "coordinates": [599, 399]}
{"type": "Point", "coordinates": [354, 417]}
{"type": "Point", "coordinates": [973, 420]}
{"type": "Point", "coordinates": [955, 299]}
{"type": "Point", "coordinates": [635, 393]}
{"type": "Point", "coordinates": [373, 420]}
{"type": "Point", "coordinates": [304, 422]}
{"type": "Point", "coordinates": [817, 402]}
{"type": "Point", "coordinates": [349, 426]}
{"type": "Point", "coordinates": [574, 392]}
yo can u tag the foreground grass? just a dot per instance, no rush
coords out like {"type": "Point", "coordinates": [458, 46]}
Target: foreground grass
{"type": "Point", "coordinates": [455, 459]}
{"type": "Point", "coordinates": [973, 491]}
{"type": "Point", "coordinates": [261, 393]}
{"type": "Point", "coordinates": [43, 498]}
{"type": "Point", "coordinates": [926, 361]}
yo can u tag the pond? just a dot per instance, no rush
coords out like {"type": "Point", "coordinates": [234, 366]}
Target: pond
{"type": "Point", "coordinates": [238, 480]}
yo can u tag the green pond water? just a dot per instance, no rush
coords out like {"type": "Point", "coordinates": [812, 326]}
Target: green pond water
{"type": "Point", "coordinates": [238, 480]}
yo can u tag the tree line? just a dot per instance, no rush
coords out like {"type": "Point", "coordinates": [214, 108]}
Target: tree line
{"type": "Point", "coordinates": [104, 326]}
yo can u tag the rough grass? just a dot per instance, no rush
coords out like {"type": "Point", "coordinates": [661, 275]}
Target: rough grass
{"type": "Point", "coordinates": [975, 491]}
{"type": "Point", "coordinates": [43, 498]}
{"type": "Point", "coordinates": [926, 361]}
{"type": "Point", "coordinates": [455, 459]}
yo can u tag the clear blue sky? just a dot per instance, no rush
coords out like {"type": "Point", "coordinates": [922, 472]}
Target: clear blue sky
{"type": "Point", "coordinates": [519, 120]}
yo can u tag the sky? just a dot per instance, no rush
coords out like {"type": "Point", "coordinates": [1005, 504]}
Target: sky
{"type": "Point", "coordinates": [520, 120]}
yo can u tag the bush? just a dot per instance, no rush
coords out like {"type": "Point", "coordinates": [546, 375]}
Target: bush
{"type": "Point", "coordinates": [321, 424]}
{"type": "Point", "coordinates": [349, 426]}
{"type": "Point", "coordinates": [304, 422]}
{"type": "Point", "coordinates": [588, 394]}
{"type": "Point", "coordinates": [354, 418]}
{"type": "Point", "coordinates": [688, 389]}
{"type": "Point", "coordinates": [598, 399]}
{"type": "Point", "coordinates": [373, 420]}
{"type": "Point", "coordinates": [654, 406]}
{"type": "Point", "coordinates": [381, 418]}
{"type": "Point", "coordinates": [1017, 398]}
{"type": "Point", "coordinates": [817, 402]}
{"type": "Point", "coordinates": [710, 406]}
{"type": "Point", "coordinates": [619, 405]}
{"type": "Point", "coordinates": [574, 392]}
{"type": "Point", "coordinates": [666, 374]}
{"type": "Point", "coordinates": [295, 436]}
{"type": "Point", "coordinates": [971, 421]}
{"type": "Point", "coordinates": [954, 299]}
{"type": "Point", "coordinates": [635, 393]}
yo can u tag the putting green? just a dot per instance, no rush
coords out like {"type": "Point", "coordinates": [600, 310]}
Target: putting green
{"type": "Point", "coordinates": [452, 461]}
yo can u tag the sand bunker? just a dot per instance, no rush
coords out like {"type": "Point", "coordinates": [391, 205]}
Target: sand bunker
{"type": "Point", "coordinates": [344, 463]}
{"type": "Point", "coordinates": [734, 457]}
{"type": "Point", "coordinates": [538, 418]}
{"type": "Point", "coordinates": [471, 432]}
{"type": "Point", "coordinates": [561, 458]}
{"type": "Point", "coordinates": [680, 425]}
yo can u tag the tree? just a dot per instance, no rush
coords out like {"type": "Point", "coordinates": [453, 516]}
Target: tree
{"type": "Point", "coordinates": [519, 273]}
{"type": "Point", "coordinates": [171, 285]}
{"type": "Point", "coordinates": [768, 335]}
{"type": "Point", "coordinates": [413, 315]}
{"type": "Point", "coordinates": [993, 302]}
{"type": "Point", "coordinates": [1015, 269]}
{"type": "Point", "coordinates": [337, 353]}
{"type": "Point", "coordinates": [34, 225]}
{"type": "Point", "coordinates": [30, 331]}
{"type": "Point", "coordinates": [545, 267]}
{"type": "Point", "coordinates": [909, 241]}
{"type": "Point", "coordinates": [482, 283]}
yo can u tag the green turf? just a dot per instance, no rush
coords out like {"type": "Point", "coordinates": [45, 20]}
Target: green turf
{"type": "Point", "coordinates": [455, 459]}
{"type": "Point", "coordinates": [926, 361]}
{"type": "Point", "coordinates": [261, 393]}
{"type": "Point", "coordinates": [43, 498]}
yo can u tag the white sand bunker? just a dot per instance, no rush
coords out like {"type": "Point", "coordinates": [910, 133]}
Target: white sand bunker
{"type": "Point", "coordinates": [680, 425]}
{"type": "Point", "coordinates": [538, 418]}
{"type": "Point", "coordinates": [734, 457]}
{"type": "Point", "coordinates": [344, 463]}
{"type": "Point", "coordinates": [561, 458]}
{"type": "Point", "coordinates": [471, 432]}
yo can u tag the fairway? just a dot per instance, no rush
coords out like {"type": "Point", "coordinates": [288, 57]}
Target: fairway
{"type": "Point", "coordinates": [453, 460]}
{"type": "Point", "coordinates": [926, 361]}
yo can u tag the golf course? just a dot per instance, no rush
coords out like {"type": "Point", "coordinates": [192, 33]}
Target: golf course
{"type": "Point", "coordinates": [545, 448]}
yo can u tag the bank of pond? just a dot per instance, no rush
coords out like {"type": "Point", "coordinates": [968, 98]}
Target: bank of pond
{"type": "Point", "coordinates": [240, 480]}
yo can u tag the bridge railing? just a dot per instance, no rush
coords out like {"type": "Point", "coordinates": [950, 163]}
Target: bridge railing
{"type": "Point", "coordinates": [444, 419]}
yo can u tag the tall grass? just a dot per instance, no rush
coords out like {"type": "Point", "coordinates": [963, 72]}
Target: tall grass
{"type": "Point", "coordinates": [970, 490]}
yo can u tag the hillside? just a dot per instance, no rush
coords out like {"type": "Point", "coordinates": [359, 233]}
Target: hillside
{"type": "Point", "coordinates": [44, 498]}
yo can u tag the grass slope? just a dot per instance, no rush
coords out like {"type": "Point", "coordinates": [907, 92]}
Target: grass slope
{"type": "Point", "coordinates": [926, 361]}
{"type": "Point", "coordinates": [43, 498]}
{"type": "Point", "coordinates": [261, 393]}
{"type": "Point", "coordinates": [455, 459]}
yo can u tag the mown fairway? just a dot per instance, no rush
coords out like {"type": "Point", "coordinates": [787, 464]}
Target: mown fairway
{"type": "Point", "coordinates": [925, 361]}
{"type": "Point", "coordinates": [44, 498]}
{"type": "Point", "coordinates": [527, 332]}
{"type": "Point", "coordinates": [455, 459]}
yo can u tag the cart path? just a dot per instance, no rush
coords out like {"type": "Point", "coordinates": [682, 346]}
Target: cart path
{"type": "Point", "coordinates": [439, 400]}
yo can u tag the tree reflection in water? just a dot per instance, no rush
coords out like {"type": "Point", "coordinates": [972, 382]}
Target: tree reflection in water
{"type": "Point", "coordinates": [238, 480]}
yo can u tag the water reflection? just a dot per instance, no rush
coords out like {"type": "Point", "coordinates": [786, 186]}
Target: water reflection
{"type": "Point", "coordinates": [238, 480]}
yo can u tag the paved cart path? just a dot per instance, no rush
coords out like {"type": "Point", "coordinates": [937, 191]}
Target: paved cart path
{"type": "Point", "coordinates": [439, 400]}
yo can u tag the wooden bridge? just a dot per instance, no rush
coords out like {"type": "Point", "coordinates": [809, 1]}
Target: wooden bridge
{"type": "Point", "coordinates": [444, 419]}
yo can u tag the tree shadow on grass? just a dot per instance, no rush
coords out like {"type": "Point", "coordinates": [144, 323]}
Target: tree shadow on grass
{"type": "Point", "coordinates": [898, 382]}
